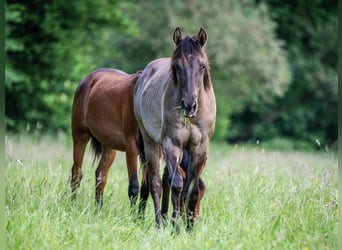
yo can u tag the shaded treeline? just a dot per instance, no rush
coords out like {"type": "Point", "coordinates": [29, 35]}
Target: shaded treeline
{"type": "Point", "coordinates": [273, 63]}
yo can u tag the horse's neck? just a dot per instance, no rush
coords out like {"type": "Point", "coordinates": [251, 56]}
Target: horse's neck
{"type": "Point", "coordinates": [207, 105]}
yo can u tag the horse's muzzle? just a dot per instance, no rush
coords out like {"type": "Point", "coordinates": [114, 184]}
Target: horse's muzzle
{"type": "Point", "coordinates": [189, 109]}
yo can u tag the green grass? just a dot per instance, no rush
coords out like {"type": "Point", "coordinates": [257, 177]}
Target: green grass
{"type": "Point", "coordinates": [255, 199]}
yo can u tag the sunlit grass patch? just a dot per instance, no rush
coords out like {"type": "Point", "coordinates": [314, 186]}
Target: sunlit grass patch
{"type": "Point", "coordinates": [255, 199]}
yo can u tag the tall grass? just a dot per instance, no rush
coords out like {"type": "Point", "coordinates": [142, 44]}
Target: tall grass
{"type": "Point", "coordinates": [255, 199]}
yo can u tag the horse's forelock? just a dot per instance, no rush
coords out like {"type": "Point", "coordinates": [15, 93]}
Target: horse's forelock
{"type": "Point", "coordinates": [188, 45]}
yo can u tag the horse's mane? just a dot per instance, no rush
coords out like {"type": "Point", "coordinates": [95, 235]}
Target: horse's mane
{"type": "Point", "coordinates": [188, 46]}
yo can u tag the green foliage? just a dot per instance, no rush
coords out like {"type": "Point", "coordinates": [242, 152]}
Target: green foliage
{"type": "Point", "coordinates": [50, 47]}
{"type": "Point", "coordinates": [255, 199]}
{"type": "Point", "coordinates": [273, 63]}
{"type": "Point", "coordinates": [308, 110]}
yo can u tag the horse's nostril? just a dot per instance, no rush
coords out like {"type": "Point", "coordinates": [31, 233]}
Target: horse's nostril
{"type": "Point", "coordinates": [189, 108]}
{"type": "Point", "coordinates": [193, 106]}
{"type": "Point", "coordinates": [183, 105]}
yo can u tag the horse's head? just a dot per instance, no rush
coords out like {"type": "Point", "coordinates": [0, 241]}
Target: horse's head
{"type": "Point", "coordinates": [190, 69]}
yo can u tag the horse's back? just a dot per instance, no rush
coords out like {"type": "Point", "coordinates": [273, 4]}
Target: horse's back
{"type": "Point", "coordinates": [103, 104]}
{"type": "Point", "coordinates": [149, 92]}
{"type": "Point", "coordinates": [91, 80]}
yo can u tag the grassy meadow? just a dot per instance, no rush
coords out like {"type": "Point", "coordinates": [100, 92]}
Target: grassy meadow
{"type": "Point", "coordinates": [255, 199]}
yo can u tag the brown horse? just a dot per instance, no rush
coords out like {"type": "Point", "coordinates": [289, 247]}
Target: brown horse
{"type": "Point", "coordinates": [175, 107]}
{"type": "Point", "coordinates": [103, 112]}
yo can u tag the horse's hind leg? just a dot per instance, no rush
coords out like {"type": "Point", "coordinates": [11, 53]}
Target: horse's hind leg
{"type": "Point", "coordinates": [79, 144]}
{"type": "Point", "coordinates": [132, 169]}
{"type": "Point", "coordinates": [144, 192]}
{"type": "Point", "coordinates": [107, 158]}
{"type": "Point", "coordinates": [165, 194]}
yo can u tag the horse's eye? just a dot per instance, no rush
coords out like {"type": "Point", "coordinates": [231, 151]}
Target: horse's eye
{"type": "Point", "coordinates": [202, 67]}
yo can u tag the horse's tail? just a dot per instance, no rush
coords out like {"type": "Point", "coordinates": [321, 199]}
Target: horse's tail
{"type": "Point", "coordinates": [96, 147]}
{"type": "Point", "coordinates": [142, 157]}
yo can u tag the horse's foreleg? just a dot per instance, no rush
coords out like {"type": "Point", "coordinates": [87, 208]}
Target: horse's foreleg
{"type": "Point", "coordinates": [151, 177]}
{"type": "Point", "coordinates": [107, 158]}
{"type": "Point", "coordinates": [155, 189]}
{"type": "Point", "coordinates": [172, 157]}
{"type": "Point", "coordinates": [79, 145]}
{"type": "Point", "coordinates": [198, 189]}
{"type": "Point", "coordinates": [201, 186]}
{"type": "Point", "coordinates": [194, 202]}
{"type": "Point", "coordinates": [132, 168]}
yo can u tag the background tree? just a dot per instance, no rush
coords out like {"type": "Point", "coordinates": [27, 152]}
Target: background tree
{"type": "Point", "coordinates": [50, 46]}
{"type": "Point", "coordinates": [273, 63]}
{"type": "Point", "coordinates": [308, 110]}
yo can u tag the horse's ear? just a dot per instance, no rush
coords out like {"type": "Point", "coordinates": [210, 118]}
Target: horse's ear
{"type": "Point", "coordinates": [177, 36]}
{"type": "Point", "coordinates": [202, 36]}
